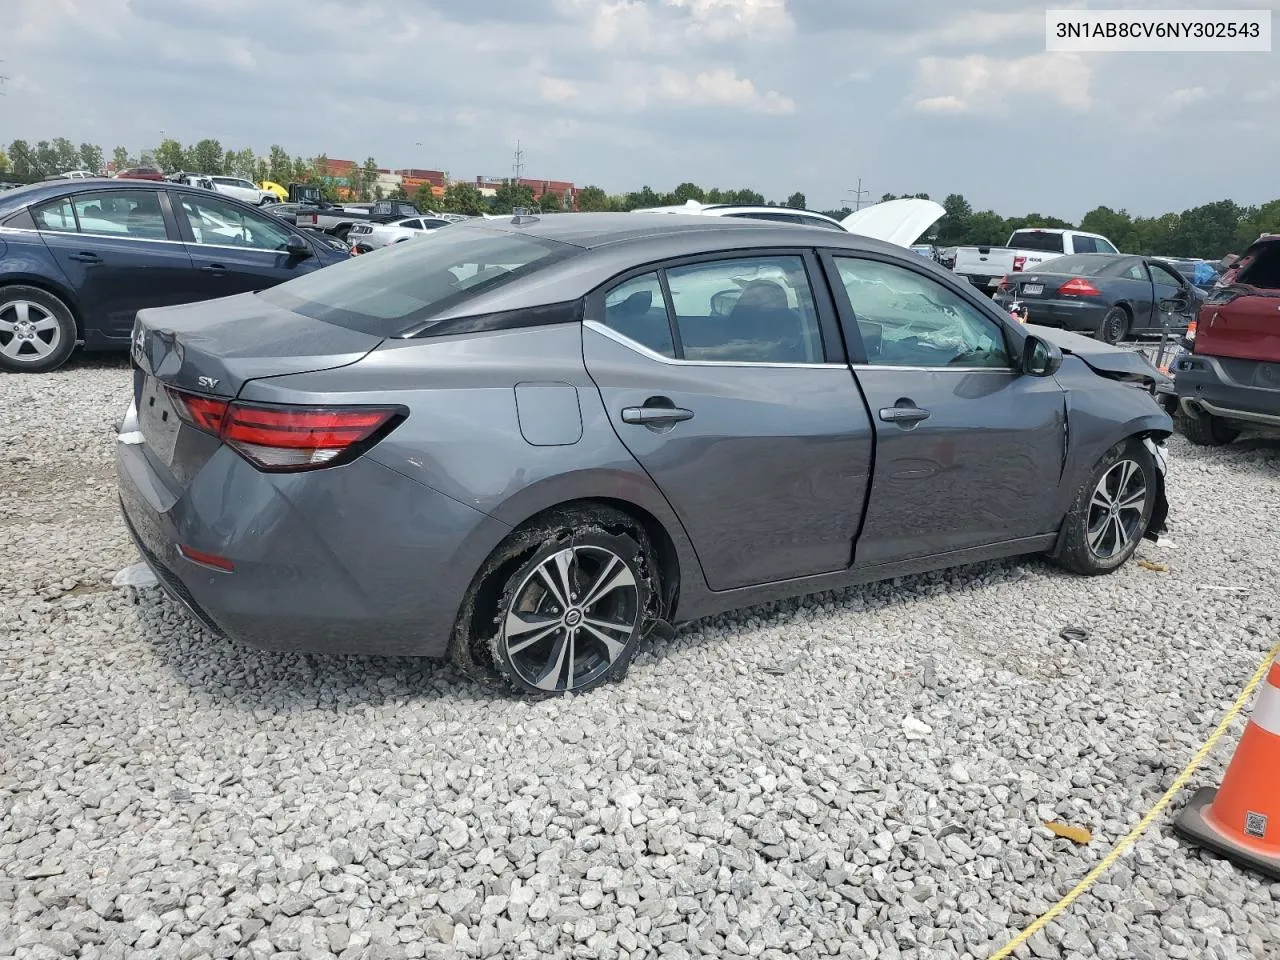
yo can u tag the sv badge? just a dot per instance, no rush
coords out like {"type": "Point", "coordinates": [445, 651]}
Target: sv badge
{"type": "Point", "coordinates": [208, 382]}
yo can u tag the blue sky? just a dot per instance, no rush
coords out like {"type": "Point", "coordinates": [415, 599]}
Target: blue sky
{"type": "Point", "coordinates": [777, 95]}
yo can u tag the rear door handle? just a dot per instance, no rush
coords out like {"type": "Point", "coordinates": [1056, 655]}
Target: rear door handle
{"type": "Point", "coordinates": [903, 414]}
{"type": "Point", "coordinates": [651, 416]}
{"type": "Point", "coordinates": [86, 257]}
{"type": "Point", "coordinates": [216, 269]}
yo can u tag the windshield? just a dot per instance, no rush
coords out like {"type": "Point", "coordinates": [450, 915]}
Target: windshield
{"type": "Point", "coordinates": [1036, 240]}
{"type": "Point", "coordinates": [388, 291]}
{"type": "Point", "coordinates": [1079, 265]}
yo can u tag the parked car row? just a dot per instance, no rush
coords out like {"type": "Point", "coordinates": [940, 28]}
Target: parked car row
{"type": "Point", "coordinates": [679, 417]}
{"type": "Point", "coordinates": [80, 258]}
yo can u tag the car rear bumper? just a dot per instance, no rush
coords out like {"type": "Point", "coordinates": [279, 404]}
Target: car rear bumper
{"type": "Point", "coordinates": [357, 559]}
{"type": "Point", "coordinates": [1068, 314]}
{"type": "Point", "coordinates": [1245, 391]}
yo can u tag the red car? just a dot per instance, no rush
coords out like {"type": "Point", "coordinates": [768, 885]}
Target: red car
{"type": "Point", "coordinates": [141, 173]}
{"type": "Point", "coordinates": [1230, 379]}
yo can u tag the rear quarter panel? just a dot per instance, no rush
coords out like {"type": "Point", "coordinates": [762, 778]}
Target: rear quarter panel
{"type": "Point", "coordinates": [463, 435]}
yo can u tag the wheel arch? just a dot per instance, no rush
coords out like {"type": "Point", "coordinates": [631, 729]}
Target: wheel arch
{"type": "Point", "coordinates": [53, 288]}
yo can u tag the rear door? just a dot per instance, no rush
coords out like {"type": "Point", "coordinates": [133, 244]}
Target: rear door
{"type": "Point", "coordinates": [1246, 327]}
{"type": "Point", "coordinates": [968, 451]}
{"type": "Point", "coordinates": [120, 251]}
{"type": "Point", "coordinates": [726, 380]}
{"type": "Point", "coordinates": [235, 250]}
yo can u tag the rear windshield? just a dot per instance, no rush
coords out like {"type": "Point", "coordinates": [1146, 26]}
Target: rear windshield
{"type": "Point", "coordinates": [1036, 240]}
{"type": "Point", "coordinates": [386, 292]}
{"type": "Point", "coordinates": [1263, 268]}
{"type": "Point", "coordinates": [1078, 265]}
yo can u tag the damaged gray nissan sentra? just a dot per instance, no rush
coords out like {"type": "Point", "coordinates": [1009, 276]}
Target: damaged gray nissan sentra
{"type": "Point", "coordinates": [531, 442]}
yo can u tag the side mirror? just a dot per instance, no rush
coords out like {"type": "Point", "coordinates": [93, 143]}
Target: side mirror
{"type": "Point", "coordinates": [297, 247]}
{"type": "Point", "coordinates": [1040, 358]}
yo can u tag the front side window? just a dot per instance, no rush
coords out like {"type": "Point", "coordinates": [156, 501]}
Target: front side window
{"type": "Point", "coordinates": [1162, 276]}
{"type": "Point", "coordinates": [214, 222]}
{"type": "Point", "coordinates": [55, 215]}
{"type": "Point", "coordinates": [756, 310]}
{"type": "Point", "coordinates": [122, 213]}
{"type": "Point", "coordinates": [636, 310]}
{"type": "Point", "coordinates": [907, 319]}
{"type": "Point", "coordinates": [1084, 245]}
{"type": "Point", "coordinates": [411, 282]}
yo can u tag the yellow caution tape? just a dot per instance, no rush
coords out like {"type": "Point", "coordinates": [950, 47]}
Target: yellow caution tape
{"type": "Point", "coordinates": [1132, 836]}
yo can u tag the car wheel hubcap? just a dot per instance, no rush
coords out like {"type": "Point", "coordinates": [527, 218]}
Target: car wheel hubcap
{"type": "Point", "coordinates": [1116, 508]}
{"type": "Point", "coordinates": [571, 618]}
{"type": "Point", "coordinates": [28, 331]}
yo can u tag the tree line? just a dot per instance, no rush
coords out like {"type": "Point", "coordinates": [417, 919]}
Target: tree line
{"type": "Point", "coordinates": [1210, 230]}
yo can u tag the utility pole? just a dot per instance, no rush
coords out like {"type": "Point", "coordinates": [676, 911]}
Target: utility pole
{"type": "Point", "coordinates": [857, 195]}
{"type": "Point", "coordinates": [517, 165]}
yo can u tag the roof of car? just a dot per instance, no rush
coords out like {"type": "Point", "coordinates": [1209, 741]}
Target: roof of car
{"type": "Point", "coordinates": [590, 230]}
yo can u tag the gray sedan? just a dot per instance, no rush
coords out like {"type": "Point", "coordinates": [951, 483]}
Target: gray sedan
{"type": "Point", "coordinates": [530, 443]}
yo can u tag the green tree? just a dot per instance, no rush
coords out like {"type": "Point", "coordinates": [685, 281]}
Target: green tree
{"type": "Point", "coordinates": [425, 200]}
{"type": "Point", "coordinates": [206, 157]}
{"type": "Point", "coordinates": [261, 170]}
{"type": "Point", "coordinates": [593, 200]}
{"type": "Point", "coordinates": [796, 201]}
{"type": "Point", "coordinates": [4, 162]}
{"type": "Point", "coordinates": [462, 198]}
{"type": "Point", "coordinates": [91, 158]}
{"type": "Point", "coordinates": [551, 202]}
{"type": "Point", "coordinates": [511, 195]}
{"type": "Point", "coordinates": [22, 159]}
{"type": "Point", "coordinates": [67, 157]}
{"type": "Point", "coordinates": [953, 228]}
{"type": "Point", "coordinates": [370, 176]}
{"type": "Point", "coordinates": [120, 157]}
{"type": "Point", "coordinates": [279, 166]}
{"type": "Point", "coordinates": [170, 156]}
{"type": "Point", "coordinates": [987, 227]}
{"type": "Point", "coordinates": [688, 191]}
{"type": "Point", "coordinates": [46, 159]}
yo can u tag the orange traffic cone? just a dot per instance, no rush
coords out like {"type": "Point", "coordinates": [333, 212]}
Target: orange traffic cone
{"type": "Point", "coordinates": [1241, 819]}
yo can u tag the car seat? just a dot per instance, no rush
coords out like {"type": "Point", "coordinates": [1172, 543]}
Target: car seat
{"type": "Point", "coordinates": [763, 315]}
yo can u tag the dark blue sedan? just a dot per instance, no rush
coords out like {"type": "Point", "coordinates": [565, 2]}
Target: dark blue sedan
{"type": "Point", "coordinates": [79, 258]}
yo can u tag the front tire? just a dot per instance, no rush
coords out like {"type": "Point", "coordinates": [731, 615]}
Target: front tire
{"type": "Point", "coordinates": [1114, 326]}
{"type": "Point", "coordinates": [1111, 511]}
{"type": "Point", "coordinates": [573, 613]}
{"type": "Point", "coordinates": [1205, 430]}
{"type": "Point", "coordinates": [37, 330]}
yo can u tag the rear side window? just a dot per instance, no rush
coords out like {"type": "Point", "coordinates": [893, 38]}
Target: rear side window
{"type": "Point", "coordinates": [1036, 240]}
{"type": "Point", "coordinates": [757, 310]}
{"type": "Point", "coordinates": [122, 213]}
{"type": "Point", "coordinates": [55, 215]}
{"type": "Point", "coordinates": [410, 282]}
{"type": "Point", "coordinates": [1084, 245]}
{"type": "Point", "coordinates": [636, 310]}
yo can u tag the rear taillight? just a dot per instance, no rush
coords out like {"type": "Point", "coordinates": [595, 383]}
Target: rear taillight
{"type": "Point", "coordinates": [1019, 263]}
{"type": "Point", "coordinates": [276, 437]}
{"type": "Point", "coordinates": [1078, 287]}
{"type": "Point", "coordinates": [1003, 284]}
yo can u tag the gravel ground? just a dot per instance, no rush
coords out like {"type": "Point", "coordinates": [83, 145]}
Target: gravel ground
{"type": "Point", "coordinates": [861, 775]}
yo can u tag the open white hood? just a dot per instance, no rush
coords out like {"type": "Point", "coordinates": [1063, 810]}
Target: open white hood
{"type": "Point", "coordinates": [901, 221]}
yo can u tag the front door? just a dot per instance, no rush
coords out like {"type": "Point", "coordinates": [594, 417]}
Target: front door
{"type": "Point", "coordinates": [716, 378]}
{"type": "Point", "coordinates": [120, 253]}
{"type": "Point", "coordinates": [968, 451]}
{"type": "Point", "coordinates": [236, 250]}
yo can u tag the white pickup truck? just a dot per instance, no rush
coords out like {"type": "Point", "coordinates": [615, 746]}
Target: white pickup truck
{"type": "Point", "coordinates": [1026, 249]}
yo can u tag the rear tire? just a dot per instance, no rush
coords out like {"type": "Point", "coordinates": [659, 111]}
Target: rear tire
{"type": "Point", "coordinates": [1205, 430]}
{"type": "Point", "coordinates": [566, 602]}
{"type": "Point", "coordinates": [1114, 326]}
{"type": "Point", "coordinates": [1111, 511]}
{"type": "Point", "coordinates": [37, 330]}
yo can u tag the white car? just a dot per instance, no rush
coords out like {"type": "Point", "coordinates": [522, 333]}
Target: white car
{"type": "Point", "coordinates": [901, 221]}
{"type": "Point", "coordinates": [245, 190]}
{"type": "Point", "coordinates": [375, 235]}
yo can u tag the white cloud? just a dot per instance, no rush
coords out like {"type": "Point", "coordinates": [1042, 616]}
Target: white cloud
{"type": "Point", "coordinates": [556, 90]}
{"type": "Point", "coordinates": [977, 29]}
{"type": "Point", "coordinates": [989, 83]}
{"type": "Point", "coordinates": [725, 19]}
{"type": "Point", "coordinates": [1187, 96]}
{"type": "Point", "coordinates": [721, 87]}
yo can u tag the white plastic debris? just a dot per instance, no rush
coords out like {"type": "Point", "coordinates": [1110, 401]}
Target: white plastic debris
{"type": "Point", "coordinates": [139, 575]}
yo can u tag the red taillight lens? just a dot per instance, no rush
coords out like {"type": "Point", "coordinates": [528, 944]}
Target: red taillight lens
{"type": "Point", "coordinates": [279, 437]}
{"type": "Point", "coordinates": [1019, 263]}
{"type": "Point", "coordinates": [1078, 287]}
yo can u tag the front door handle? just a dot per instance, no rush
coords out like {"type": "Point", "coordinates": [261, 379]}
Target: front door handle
{"type": "Point", "coordinates": [86, 257]}
{"type": "Point", "coordinates": [903, 414]}
{"type": "Point", "coordinates": [655, 416]}
{"type": "Point", "coordinates": [216, 269]}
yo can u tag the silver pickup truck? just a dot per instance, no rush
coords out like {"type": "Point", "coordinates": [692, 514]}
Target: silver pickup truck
{"type": "Point", "coordinates": [338, 221]}
{"type": "Point", "coordinates": [1027, 249]}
